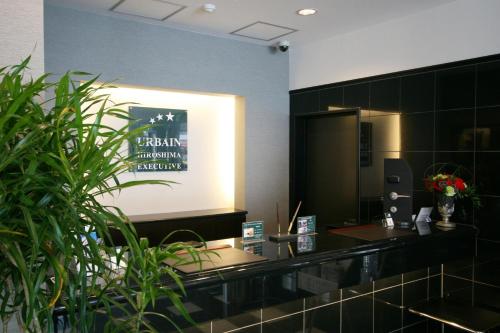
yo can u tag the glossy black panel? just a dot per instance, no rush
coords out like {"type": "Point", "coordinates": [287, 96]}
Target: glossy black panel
{"type": "Point", "coordinates": [324, 298]}
{"type": "Point", "coordinates": [331, 97]}
{"type": "Point", "coordinates": [201, 328]}
{"type": "Point", "coordinates": [455, 130]}
{"type": "Point", "coordinates": [251, 329]}
{"type": "Point", "coordinates": [488, 128]}
{"type": "Point", "coordinates": [290, 324]}
{"type": "Point", "coordinates": [357, 95]}
{"type": "Point", "coordinates": [455, 88]}
{"type": "Point", "coordinates": [422, 199]}
{"type": "Point", "coordinates": [423, 326]}
{"type": "Point", "coordinates": [385, 94]}
{"type": "Point", "coordinates": [487, 251]}
{"type": "Point", "coordinates": [387, 309]}
{"type": "Point", "coordinates": [462, 267]}
{"type": "Point", "coordinates": [304, 102]}
{"type": "Point", "coordinates": [361, 289]}
{"type": "Point", "coordinates": [447, 162]}
{"type": "Point", "coordinates": [487, 297]}
{"type": "Point", "coordinates": [487, 218]}
{"type": "Point", "coordinates": [414, 293]}
{"type": "Point", "coordinates": [419, 163]}
{"type": "Point", "coordinates": [388, 282]}
{"type": "Point", "coordinates": [487, 265]}
{"type": "Point", "coordinates": [435, 287]}
{"type": "Point", "coordinates": [357, 315]}
{"type": "Point", "coordinates": [418, 93]}
{"type": "Point", "coordinates": [278, 310]}
{"type": "Point", "coordinates": [324, 319]}
{"type": "Point", "coordinates": [417, 131]}
{"type": "Point", "coordinates": [233, 322]}
{"type": "Point", "coordinates": [487, 172]}
{"type": "Point", "coordinates": [488, 84]}
{"type": "Point", "coordinates": [457, 289]}
{"type": "Point", "coordinates": [415, 275]}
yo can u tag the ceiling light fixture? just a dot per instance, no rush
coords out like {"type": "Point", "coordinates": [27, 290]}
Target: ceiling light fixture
{"type": "Point", "coordinates": [209, 7]}
{"type": "Point", "coordinates": [307, 11]}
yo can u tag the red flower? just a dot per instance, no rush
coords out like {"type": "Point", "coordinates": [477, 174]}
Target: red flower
{"type": "Point", "coordinates": [436, 186]}
{"type": "Point", "coordinates": [459, 184]}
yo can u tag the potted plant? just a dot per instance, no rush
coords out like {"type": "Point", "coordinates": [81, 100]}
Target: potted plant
{"type": "Point", "coordinates": [449, 186]}
{"type": "Point", "coordinates": [57, 157]}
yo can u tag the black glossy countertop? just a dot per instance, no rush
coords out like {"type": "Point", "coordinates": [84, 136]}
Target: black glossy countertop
{"type": "Point", "coordinates": [326, 247]}
{"type": "Point", "coordinates": [333, 261]}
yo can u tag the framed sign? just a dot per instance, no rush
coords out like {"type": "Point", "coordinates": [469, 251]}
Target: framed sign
{"type": "Point", "coordinates": [253, 248]}
{"type": "Point", "coordinates": [306, 243]}
{"type": "Point", "coordinates": [163, 147]}
{"type": "Point", "coordinates": [253, 231]}
{"type": "Point", "coordinates": [306, 225]}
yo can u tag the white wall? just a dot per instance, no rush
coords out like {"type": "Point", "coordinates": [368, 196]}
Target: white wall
{"type": "Point", "coordinates": [455, 31]}
{"type": "Point", "coordinates": [21, 33]}
{"type": "Point", "coordinates": [209, 182]}
{"type": "Point", "coordinates": [150, 55]}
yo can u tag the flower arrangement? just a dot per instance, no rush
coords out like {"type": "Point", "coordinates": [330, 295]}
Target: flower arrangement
{"type": "Point", "coordinates": [449, 186]}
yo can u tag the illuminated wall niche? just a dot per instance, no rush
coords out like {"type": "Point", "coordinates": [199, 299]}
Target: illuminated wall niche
{"type": "Point", "coordinates": [214, 178]}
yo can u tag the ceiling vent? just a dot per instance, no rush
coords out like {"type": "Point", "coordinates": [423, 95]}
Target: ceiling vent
{"type": "Point", "coordinates": [263, 31]}
{"type": "Point", "coordinates": [152, 9]}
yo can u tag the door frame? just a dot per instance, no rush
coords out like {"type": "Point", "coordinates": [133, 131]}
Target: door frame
{"type": "Point", "coordinates": [298, 144]}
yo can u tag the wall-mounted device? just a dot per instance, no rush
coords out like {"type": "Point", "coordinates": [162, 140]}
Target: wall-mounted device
{"type": "Point", "coordinates": [398, 191]}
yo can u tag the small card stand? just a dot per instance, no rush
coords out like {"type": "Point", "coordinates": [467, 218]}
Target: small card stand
{"type": "Point", "coordinates": [283, 237]}
{"type": "Point", "coordinates": [252, 232]}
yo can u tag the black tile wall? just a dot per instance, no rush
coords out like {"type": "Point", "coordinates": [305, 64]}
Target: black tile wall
{"type": "Point", "coordinates": [385, 94]}
{"type": "Point", "coordinates": [488, 175]}
{"type": "Point", "coordinates": [448, 113]}
{"type": "Point", "coordinates": [419, 163]}
{"type": "Point", "coordinates": [331, 97]}
{"type": "Point", "coordinates": [455, 88]}
{"type": "Point", "coordinates": [418, 93]}
{"type": "Point", "coordinates": [417, 131]}
{"type": "Point", "coordinates": [488, 84]}
{"type": "Point", "coordinates": [443, 114]}
{"type": "Point", "coordinates": [388, 309]}
{"type": "Point", "coordinates": [304, 103]}
{"type": "Point", "coordinates": [357, 95]}
{"type": "Point", "coordinates": [323, 319]}
{"type": "Point", "coordinates": [455, 130]}
{"type": "Point", "coordinates": [357, 314]}
{"type": "Point", "coordinates": [378, 306]}
{"type": "Point", "coordinates": [488, 128]}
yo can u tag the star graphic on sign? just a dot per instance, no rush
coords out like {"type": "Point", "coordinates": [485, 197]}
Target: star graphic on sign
{"type": "Point", "coordinates": [152, 120]}
{"type": "Point", "coordinates": [159, 117]}
{"type": "Point", "coordinates": [170, 116]}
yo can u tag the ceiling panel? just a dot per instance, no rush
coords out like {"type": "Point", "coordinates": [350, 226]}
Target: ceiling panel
{"type": "Point", "coordinates": [263, 31]}
{"type": "Point", "coordinates": [153, 9]}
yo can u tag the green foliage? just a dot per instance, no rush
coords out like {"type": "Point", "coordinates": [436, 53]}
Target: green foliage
{"type": "Point", "coordinates": [55, 161]}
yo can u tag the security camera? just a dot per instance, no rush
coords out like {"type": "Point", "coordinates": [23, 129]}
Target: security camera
{"type": "Point", "coordinates": [283, 45]}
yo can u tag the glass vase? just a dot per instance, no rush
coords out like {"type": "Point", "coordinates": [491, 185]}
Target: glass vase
{"type": "Point", "coordinates": [446, 207]}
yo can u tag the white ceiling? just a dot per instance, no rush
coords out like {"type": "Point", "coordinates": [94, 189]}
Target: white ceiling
{"type": "Point", "coordinates": [333, 16]}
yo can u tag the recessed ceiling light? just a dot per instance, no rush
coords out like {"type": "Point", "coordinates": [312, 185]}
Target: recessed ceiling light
{"type": "Point", "coordinates": [209, 7]}
{"type": "Point", "coordinates": [307, 11]}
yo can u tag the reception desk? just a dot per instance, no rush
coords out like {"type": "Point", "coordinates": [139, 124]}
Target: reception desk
{"type": "Point", "coordinates": [322, 283]}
